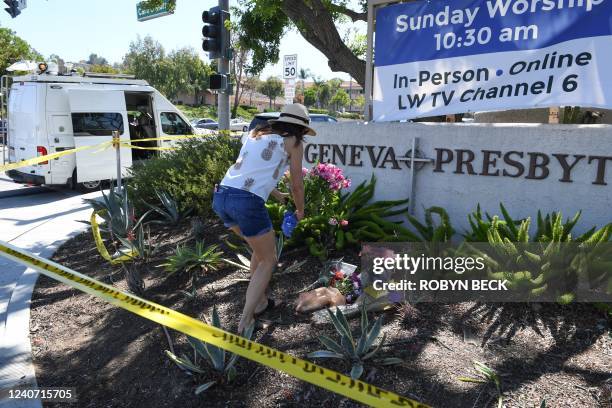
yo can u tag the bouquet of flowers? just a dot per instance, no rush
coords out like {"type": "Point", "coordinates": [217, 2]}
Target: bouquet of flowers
{"type": "Point", "coordinates": [344, 277]}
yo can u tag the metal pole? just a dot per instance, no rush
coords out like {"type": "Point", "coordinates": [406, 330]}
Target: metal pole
{"type": "Point", "coordinates": [412, 171]}
{"type": "Point", "coordinates": [367, 113]}
{"type": "Point", "coordinates": [351, 94]}
{"type": "Point", "coordinates": [223, 107]}
{"type": "Point", "coordinates": [2, 122]}
{"type": "Point", "coordinates": [117, 146]}
{"type": "Point", "coordinates": [3, 97]}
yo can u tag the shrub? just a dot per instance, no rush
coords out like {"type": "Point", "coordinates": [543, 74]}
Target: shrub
{"type": "Point", "coordinates": [188, 173]}
{"type": "Point", "coordinates": [322, 111]}
{"type": "Point", "coordinates": [168, 212]}
{"type": "Point", "coordinates": [335, 220]}
{"type": "Point", "coordinates": [348, 115]}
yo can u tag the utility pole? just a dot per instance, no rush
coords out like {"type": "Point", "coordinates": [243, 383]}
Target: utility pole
{"type": "Point", "coordinates": [223, 66]}
{"type": "Point", "coordinates": [218, 45]}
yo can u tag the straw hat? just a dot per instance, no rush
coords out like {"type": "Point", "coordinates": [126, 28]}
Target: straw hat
{"type": "Point", "coordinates": [296, 114]}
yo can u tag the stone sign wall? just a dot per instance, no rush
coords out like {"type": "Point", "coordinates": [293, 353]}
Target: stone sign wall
{"type": "Point", "coordinates": [526, 167]}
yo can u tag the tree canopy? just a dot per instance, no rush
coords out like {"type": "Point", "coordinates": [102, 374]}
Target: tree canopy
{"type": "Point", "coordinates": [14, 49]}
{"type": "Point", "coordinates": [95, 59]}
{"type": "Point", "coordinates": [264, 22]}
{"type": "Point", "coordinates": [272, 88]}
{"type": "Point", "coordinates": [180, 71]}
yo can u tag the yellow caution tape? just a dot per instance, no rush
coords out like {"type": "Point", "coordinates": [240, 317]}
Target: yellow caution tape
{"type": "Point", "coordinates": [174, 137]}
{"type": "Point", "coordinates": [47, 157]}
{"type": "Point", "coordinates": [95, 229]}
{"type": "Point", "coordinates": [102, 146]}
{"type": "Point", "coordinates": [331, 380]}
{"type": "Point", "coordinates": [131, 146]}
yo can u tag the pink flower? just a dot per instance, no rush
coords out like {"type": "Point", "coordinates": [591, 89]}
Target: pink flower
{"type": "Point", "coordinates": [332, 174]}
{"type": "Point", "coordinates": [333, 221]}
{"type": "Point", "coordinates": [304, 171]}
{"type": "Point", "coordinates": [344, 223]}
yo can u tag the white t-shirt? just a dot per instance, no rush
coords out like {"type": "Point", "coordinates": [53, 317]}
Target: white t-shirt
{"type": "Point", "coordinates": [260, 165]}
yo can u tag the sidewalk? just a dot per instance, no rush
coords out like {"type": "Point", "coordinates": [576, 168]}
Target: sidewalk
{"type": "Point", "coordinates": [39, 223]}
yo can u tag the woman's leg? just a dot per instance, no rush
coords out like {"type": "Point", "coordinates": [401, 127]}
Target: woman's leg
{"type": "Point", "coordinates": [252, 268]}
{"type": "Point", "coordinates": [264, 249]}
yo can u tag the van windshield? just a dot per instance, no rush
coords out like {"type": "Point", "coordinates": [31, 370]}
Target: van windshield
{"type": "Point", "coordinates": [173, 124]}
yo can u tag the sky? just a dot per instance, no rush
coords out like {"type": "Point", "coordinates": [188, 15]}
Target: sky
{"type": "Point", "coordinates": [73, 29]}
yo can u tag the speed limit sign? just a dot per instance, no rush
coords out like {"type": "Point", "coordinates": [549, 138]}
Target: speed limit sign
{"type": "Point", "coordinates": [290, 66]}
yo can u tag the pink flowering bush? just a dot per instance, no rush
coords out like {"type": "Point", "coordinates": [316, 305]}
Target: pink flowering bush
{"type": "Point", "coordinates": [331, 174]}
{"type": "Point", "coordinates": [335, 218]}
{"type": "Point", "coordinates": [322, 186]}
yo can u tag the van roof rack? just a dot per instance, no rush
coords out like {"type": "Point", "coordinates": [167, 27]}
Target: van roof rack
{"type": "Point", "coordinates": [103, 75]}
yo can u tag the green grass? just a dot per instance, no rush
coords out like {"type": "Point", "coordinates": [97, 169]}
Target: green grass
{"type": "Point", "coordinates": [196, 112]}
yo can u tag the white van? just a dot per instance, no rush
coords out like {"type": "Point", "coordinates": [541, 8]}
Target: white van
{"type": "Point", "coordinates": [50, 113]}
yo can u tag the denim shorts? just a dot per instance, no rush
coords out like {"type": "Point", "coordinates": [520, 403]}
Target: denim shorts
{"type": "Point", "coordinates": [242, 208]}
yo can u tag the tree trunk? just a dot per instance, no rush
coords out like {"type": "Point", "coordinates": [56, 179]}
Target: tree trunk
{"type": "Point", "coordinates": [317, 26]}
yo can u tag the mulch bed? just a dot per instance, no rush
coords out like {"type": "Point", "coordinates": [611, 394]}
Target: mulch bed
{"type": "Point", "coordinates": [115, 359]}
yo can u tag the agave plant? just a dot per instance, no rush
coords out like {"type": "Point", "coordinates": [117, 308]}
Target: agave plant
{"type": "Point", "coordinates": [193, 260]}
{"type": "Point", "coordinates": [551, 228]}
{"type": "Point", "coordinates": [480, 225]}
{"type": "Point", "coordinates": [118, 212]}
{"type": "Point", "coordinates": [552, 263]}
{"type": "Point", "coordinates": [487, 375]}
{"type": "Point", "coordinates": [224, 364]}
{"type": "Point", "coordinates": [430, 232]}
{"type": "Point", "coordinates": [141, 250]}
{"type": "Point", "coordinates": [170, 212]}
{"type": "Point", "coordinates": [244, 263]}
{"type": "Point", "coordinates": [355, 351]}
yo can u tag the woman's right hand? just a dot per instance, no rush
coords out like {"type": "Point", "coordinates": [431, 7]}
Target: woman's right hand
{"type": "Point", "coordinates": [299, 214]}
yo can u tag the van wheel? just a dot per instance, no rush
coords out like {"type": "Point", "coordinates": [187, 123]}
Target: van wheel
{"type": "Point", "coordinates": [86, 187]}
{"type": "Point", "coordinates": [244, 129]}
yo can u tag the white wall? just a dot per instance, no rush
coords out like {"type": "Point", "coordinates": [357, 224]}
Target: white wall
{"type": "Point", "coordinates": [460, 193]}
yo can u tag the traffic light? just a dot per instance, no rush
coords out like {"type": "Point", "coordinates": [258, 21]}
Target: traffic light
{"type": "Point", "coordinates": [13, 8]}
{"type": "Point", "coordinates": [216, 36]}
{"type": "Point", "coordinates": [217, 82]}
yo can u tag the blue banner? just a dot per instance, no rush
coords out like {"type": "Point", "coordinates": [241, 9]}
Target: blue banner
{"type": "Point", "coordinates": [438, 57]}
{"type": "Point", "coordinates": [426, 30]}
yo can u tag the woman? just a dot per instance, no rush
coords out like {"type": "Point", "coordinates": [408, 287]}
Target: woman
{"type": "Point", "coordinates": [241, 196]}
